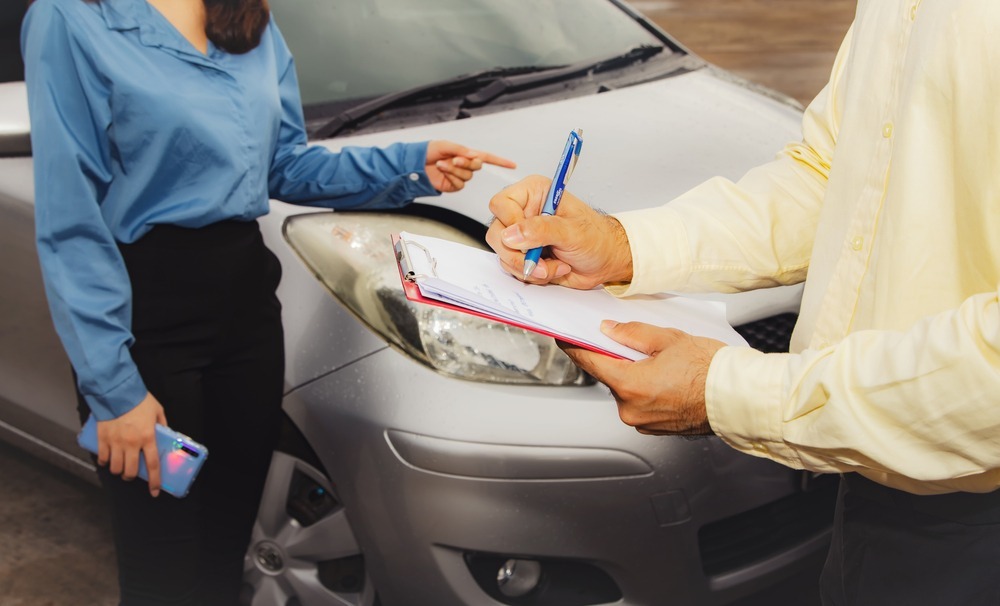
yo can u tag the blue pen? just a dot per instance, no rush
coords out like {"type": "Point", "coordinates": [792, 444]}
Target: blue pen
{"type": "Point", "coordinates": [566, 165]}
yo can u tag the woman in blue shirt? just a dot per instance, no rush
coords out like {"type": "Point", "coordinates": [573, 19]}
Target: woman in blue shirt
{"type": "Point", "coordinates": [160, 130]}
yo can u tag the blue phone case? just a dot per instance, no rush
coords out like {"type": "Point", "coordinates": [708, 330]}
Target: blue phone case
{"type": "Point", "coordinates": [180, 457]}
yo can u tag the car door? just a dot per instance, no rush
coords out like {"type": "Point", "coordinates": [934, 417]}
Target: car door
{"type": "Point", "coordinates": [36, 391]}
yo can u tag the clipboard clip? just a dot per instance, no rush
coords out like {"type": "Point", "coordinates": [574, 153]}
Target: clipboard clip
{"type": "Point", "coordinates": [403, 258]}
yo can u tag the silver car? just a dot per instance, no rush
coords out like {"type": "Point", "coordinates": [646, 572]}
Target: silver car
{"type": "Point", "coordinates": [433, 458]}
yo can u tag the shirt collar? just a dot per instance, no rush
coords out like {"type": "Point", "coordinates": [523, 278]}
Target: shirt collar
{"type": "Point", "coordinates": [121, 14]}
{"type": "Point", "coordinates": [154, 30]}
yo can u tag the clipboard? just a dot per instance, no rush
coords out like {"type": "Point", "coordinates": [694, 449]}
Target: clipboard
{"type": "Point", "coordinates": [412, 291]}
{"type": "Point", "coordinates": [470, 280]}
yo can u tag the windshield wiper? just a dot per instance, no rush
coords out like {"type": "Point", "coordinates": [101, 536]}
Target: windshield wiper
{"type": "Point", "coordinates": [480, 88]}
{"type": "Point", "coordinates": [513, 83]}
{"type": "Point", "coordinates": [455, 87]}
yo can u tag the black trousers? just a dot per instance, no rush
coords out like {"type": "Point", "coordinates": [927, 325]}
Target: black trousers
{"type": "Point", "coordinates": [209, 346]}
{"type": "Point", "coordinates": [891, 547]}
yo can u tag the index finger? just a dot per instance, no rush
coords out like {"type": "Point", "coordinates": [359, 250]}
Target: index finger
{"type": "Point", "coordinates": [488, 158]}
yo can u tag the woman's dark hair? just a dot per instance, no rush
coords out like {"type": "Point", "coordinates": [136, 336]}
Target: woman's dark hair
{"type": "Point", "coordinates": [236, 26]}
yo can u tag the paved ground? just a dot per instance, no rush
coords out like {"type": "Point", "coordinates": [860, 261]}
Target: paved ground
{"type": "Point", "coordinates": [55, 547]}
{"type": "Point", "coordinates": [54, 534]}
{"type": "Point", "coordinates": [788, 45]}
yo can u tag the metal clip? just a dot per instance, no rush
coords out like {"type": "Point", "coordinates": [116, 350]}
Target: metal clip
{"type": "Point", "coordinates": [403, 258]}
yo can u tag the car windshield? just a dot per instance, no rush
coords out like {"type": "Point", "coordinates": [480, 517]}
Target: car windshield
{"type": "Point", "coordinates": [357, 49]}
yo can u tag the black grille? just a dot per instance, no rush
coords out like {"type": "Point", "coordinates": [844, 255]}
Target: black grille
{"type": "Point", "coordinates": [770, 335]}
{"type": "Point", "coordinates": [754, 535]}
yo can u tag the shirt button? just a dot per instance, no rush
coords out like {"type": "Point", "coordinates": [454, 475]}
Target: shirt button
{"type": "Point", "coordinates": [857, 242]}
{"type": "Point", "coordinates": [887, 130]}
{"type": "Point", "coordinates": [414, 177]}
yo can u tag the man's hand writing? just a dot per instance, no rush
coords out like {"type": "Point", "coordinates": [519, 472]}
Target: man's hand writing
{"type": "Point", "coordinates": [584, 247]}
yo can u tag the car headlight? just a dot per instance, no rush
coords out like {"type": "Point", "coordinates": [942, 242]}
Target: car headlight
{"type": "Point", "coordinates": [351, 254]}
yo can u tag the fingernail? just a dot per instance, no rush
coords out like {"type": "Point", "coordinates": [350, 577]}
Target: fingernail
{"type": "Point", "coordinates": [155, 493]}
{"type": "Point", "coordinates": [562, 270]}
{"type": "Point", "coordinates": [538, 272]}
{"type": "Point", "coordinates": [608, 325]}
{"type": "Point", "coordinates": [512, 236]}
{"type": "Point", "coordinates": [441, 164]}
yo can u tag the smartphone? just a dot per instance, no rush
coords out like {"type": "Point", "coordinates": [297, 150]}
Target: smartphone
{"type": "Point", "coordinates": [180, 457]}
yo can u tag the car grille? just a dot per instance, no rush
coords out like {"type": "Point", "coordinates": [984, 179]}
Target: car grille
{"type": "Point", "coordinates": [770, 335]}
{"type": "Point", "coordinates": [755, 535]}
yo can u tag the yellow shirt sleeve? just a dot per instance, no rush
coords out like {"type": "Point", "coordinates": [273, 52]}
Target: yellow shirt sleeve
{"type": "Point", "coordinates": [917, 410]}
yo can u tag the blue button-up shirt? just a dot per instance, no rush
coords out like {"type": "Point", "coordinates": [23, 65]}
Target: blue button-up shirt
{"type": "Point", "coordinates": [133, 127]}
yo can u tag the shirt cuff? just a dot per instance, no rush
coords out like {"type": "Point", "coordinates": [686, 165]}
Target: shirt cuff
{"type": "Point", "coordinates": [660, 253]}
{"type": "Point", "coordinates": [123, 398]}
{"type": "Point", "coordinates": [416, 182]}
{"type": "Point", "coordinates": [743, 399]}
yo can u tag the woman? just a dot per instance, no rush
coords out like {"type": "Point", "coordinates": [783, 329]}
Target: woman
{"type": "Point", "coordinates": [160, 130]}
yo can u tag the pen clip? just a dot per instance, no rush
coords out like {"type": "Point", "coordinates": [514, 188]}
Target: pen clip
{"type": "Point", "coordinates": [576, 137]}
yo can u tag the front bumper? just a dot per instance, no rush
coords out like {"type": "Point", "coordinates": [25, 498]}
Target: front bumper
{"type": "Point", "coordinates": [434, 471]}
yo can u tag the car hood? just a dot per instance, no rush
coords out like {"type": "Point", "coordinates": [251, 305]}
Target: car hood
{"type": "Point", "coordinates": [643, 145]}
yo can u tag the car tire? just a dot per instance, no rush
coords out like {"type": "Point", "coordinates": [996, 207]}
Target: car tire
{"type": "Point", "coordinates": [303, 551]}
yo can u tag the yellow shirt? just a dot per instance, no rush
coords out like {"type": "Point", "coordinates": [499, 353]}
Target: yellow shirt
{"type": "Point", "coordinates": [889, 210]}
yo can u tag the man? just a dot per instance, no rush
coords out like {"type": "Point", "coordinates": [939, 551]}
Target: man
{"type": "Point", "coordinates": [889, 211]}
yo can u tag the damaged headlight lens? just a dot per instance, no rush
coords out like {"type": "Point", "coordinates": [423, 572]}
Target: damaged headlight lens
{"type": "Point", "coordinates": [352, 255]}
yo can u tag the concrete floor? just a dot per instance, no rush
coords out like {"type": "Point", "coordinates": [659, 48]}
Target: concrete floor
{"type": "Point", "coordinates": [55, 546]}
{"type": "Point", "coordinates": [787, 45]}
{"type": "Point", "coordinates": [55, 537]}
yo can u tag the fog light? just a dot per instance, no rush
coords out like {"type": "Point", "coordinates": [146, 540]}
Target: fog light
{"type": "Point", "coordinates": [517, 578]}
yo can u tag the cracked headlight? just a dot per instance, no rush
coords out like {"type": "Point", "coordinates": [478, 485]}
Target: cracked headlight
{"type": "Point", "coordinates": [352, 255]}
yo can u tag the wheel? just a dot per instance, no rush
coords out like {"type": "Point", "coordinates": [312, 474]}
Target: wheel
{"type": "Point", "coordinates": [303, 551]}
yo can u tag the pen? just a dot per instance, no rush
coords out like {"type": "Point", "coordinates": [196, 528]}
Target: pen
{"type": "Point", "coordinates": [565, 168]}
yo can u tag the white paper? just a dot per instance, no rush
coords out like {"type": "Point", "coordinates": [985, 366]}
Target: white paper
{"type": "Point", "coordinates": [472, 278]}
